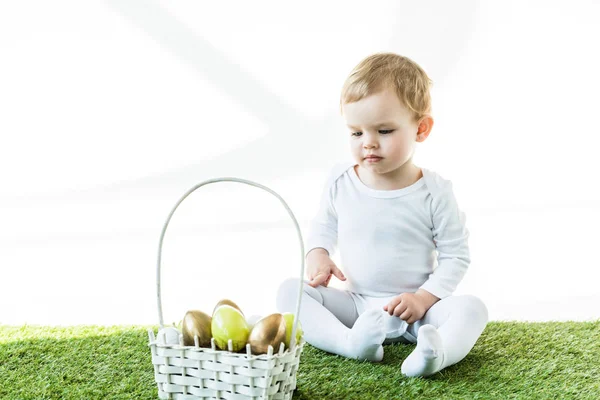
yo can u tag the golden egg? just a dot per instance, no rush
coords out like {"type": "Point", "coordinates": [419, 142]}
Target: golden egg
{"type": "Point", "coordinates": [268, 331]}
{"type": "Point", "coordinates": [196, 323]}
{"type": "Point", "coordinates": [227, 302]}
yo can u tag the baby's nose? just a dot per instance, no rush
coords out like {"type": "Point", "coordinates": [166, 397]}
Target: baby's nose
{"type": "Point", "coordinates": [369, 143]}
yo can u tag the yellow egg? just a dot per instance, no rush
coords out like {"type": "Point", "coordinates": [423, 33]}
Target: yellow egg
{"type": "Point", "coordinates": [196, 323]}
{"type": "Point", "coordinates": [289, 325]}
{"type": "Point", "coordinates": [229, 323]}
{"type": "Point", "coordinates": [268, 331]}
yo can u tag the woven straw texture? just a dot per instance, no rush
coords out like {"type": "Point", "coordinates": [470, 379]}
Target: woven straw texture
{"type": "Point", "coordinates": [188, 372]}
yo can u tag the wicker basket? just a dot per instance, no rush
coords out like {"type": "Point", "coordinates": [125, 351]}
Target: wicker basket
{"type": "Point", "coordinates": [193, 372]}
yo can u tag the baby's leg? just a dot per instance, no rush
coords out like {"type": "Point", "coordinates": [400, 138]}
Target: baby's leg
{"type": "Point", "coordinates": [446, 334]}
{"type": "Point", "coordinates": [331, 323]}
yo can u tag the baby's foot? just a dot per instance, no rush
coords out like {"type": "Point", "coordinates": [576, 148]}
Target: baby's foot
{"type": "Point", "coordinates": [427, 358]}
{"type": "Point", "coordinates": [366, 337]}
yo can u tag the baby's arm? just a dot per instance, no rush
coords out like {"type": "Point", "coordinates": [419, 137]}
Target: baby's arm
{"type": "Point", "coordinates": [450, 236]}
{"type": "Point", "coordinates": [323, 227]}
{"type": "Point", "coordinates": [322, 238]}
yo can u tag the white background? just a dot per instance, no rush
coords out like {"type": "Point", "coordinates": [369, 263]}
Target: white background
{"type": "Point", "coordinates": [111, 110]}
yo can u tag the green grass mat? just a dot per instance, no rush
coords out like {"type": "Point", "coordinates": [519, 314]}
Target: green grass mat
{"type": "Point", "coordinates": [551, 360]}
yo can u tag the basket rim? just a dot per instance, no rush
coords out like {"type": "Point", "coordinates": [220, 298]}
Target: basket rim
{"type": "Point", "coordinates": [246, 355]}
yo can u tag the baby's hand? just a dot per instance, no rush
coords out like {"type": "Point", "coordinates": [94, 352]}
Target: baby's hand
{"type": "Point", "coordinates": [320, 268]}
{"type": "Point", "coordinates": [408, 307]}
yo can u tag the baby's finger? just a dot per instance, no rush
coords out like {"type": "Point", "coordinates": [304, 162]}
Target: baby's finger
{"type": "Point", "coordinates": [327, 281]}
{"type": "Point", "coordinates": [400, 308]}
{"type": "Point", "coordinates": [338, 273]}
{"type": "Point", "coordinates": [392, 305]}
{"type": "Point", "coordinates": [389, 307]}
{"type": "Point", "coordinates": [406, 315]}
{"type": "Point", "coordinates": [318, 279]}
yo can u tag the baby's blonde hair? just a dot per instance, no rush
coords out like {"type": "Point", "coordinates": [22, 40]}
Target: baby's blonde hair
{"type": "Point", "coordinates": [379, 70]}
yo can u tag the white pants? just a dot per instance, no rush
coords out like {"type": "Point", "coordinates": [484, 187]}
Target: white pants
{"type": "Point", "coordinates": [326, 312]}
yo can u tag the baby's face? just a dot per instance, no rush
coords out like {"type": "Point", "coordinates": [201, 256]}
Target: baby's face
{"type": "Point", "coordinates": [383, 132]}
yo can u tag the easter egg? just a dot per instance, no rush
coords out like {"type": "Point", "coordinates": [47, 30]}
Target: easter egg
{"type": "Point", "coordinates": [228, 303]}
{"type": "Point", "coordinates": [268, 331]}
{"type": "Point", "coordinates": [168, 335]}
{"type": "Point", "coordinates": [229, 323]}
{"type": "Point", "coordinates": [196, 323]}
{"type": "Point", "coordinates": [289, 325]}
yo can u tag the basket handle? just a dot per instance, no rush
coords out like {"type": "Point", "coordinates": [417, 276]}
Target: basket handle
{"type": "Point", "coordinates": [247, 182]}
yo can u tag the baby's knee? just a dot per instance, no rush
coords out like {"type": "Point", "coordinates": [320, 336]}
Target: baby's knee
{"type": "Point", "coordinates": [287, 294]}
{"type": "Point", "coordinates": [475, 307]}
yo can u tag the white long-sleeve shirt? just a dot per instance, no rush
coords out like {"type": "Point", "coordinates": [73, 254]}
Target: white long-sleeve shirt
{"type": "Point", "coordinates": [393, 241]}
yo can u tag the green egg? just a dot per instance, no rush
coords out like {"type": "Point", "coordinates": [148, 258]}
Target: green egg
{"type": "Point", "coordinates": [229, 323]}
{"type": "Point", "coordinates": [289, 325]}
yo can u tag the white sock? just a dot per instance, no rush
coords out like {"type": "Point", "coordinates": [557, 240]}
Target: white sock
{"type": "Point", "coordinates": [323, 330]}
{"type": "Point", "coordinates": [428, 356]}
{"type": "Point", "coordinates": [365, 339]}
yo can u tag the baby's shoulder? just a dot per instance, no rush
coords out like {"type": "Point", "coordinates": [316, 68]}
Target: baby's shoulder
{"type": "Point", "coordinates": [436, 184]}
{"type": "Point", "coordinates": [337, 171]}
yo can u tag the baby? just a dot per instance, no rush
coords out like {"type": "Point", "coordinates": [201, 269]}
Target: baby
{"type": "Point", "coordinates": [401, 237]}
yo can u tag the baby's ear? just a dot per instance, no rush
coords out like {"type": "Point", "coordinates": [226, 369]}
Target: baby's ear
{"type": "Point", "coordinates": [424, 129]}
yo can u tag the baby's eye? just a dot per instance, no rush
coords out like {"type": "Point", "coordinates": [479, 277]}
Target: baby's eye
{"type": "Point", "coordinates": [386, 131]}
{"type": "Point", "coordinates": [356, 133]}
